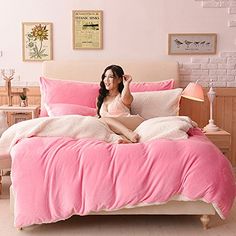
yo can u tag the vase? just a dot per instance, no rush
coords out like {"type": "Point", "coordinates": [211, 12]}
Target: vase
{"type": "Point", "coordinates": [24, 103]}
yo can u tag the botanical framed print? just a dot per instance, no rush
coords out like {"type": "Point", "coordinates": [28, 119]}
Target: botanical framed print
{"type": "Point", "coordinates": [37, 41]}
{"type": "Point", "coordinates": [200, 43]}
{"type": "Point", "coordinates": [87, 29]}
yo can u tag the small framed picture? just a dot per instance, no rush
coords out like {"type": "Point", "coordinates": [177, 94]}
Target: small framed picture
{"type": "Point", "coordinates": [187, 44]}
{"type": "Point", "coordinates": [87, 29]}
{"type": "Point", "coordinates": [37, 41]}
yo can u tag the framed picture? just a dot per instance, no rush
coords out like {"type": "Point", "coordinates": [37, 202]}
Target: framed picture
{"type": "Point", "coordinates": [87, 29]}
{"type": "Point", "coordinates": [192, 43]}
{"type": "Point", "coordinates": [37, 41]}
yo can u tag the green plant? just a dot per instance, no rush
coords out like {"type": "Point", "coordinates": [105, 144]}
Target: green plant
{"type": "Point", "coordinates": [23, 96]}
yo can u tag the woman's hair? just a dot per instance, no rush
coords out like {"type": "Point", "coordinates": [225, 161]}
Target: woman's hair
{"type": "Point", "coordinates": [103, 92]}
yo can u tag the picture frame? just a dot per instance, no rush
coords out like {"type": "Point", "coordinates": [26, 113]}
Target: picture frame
{"type": "Point", "coordinates": [87, 29]}
{"type": "Point", "coordinates": [37, 41]}
{"type": "Point", "coordinates": [192, 44]}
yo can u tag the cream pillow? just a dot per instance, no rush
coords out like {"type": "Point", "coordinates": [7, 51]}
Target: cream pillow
{"type": "Point", "coordinates": [156, 103]}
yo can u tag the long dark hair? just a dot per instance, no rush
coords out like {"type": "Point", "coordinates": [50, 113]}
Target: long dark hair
{"type": "Point", "coordinates": [103, 92]}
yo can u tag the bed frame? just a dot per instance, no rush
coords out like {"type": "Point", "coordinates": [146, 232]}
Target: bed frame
{"type": "Point", "coordinates": [90, 71]}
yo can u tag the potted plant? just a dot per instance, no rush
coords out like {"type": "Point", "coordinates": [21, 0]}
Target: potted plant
{"type": "Point", "coordinates": [23, 100]}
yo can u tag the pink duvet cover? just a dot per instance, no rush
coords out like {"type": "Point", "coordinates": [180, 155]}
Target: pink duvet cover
{"type": "Point", "coordinates": [56, 177]}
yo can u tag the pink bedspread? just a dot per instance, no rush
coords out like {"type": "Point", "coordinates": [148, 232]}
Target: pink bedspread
{"type": "Point", "coordinates": [55, 177]}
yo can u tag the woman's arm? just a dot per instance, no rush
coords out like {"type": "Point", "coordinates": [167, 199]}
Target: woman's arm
{"type": "Point", "coordinates": [126, 95]}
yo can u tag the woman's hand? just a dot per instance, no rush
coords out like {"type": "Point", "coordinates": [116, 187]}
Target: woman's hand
{"type": "Point", "coordinates": [126, 95]}
{"type": "Point", "coordinates": [127, 79]}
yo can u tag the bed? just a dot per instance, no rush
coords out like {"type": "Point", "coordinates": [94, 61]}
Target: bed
{"type": "Point", "coordinates": [28, 181]}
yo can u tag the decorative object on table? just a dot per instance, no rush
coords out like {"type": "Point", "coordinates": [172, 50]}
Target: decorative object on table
{"type": "Point", "coordinates": [201, 43]}
{"type": "Point", "coordinates": [193, 91]}
{"type": "Point", "coordinates": [87, 29]}
{"type": "Point", "coordinates": [37, 41]}
{"type": "Point", "coordinates": [23, 100]}
{"type": "Point", "coordinates": [8, 75]}
{"type": "Point", "coordinates": [211, 127]}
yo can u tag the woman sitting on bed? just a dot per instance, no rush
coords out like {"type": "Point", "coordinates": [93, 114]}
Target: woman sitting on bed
{"type": "Point", "coordinates": [114, 102]}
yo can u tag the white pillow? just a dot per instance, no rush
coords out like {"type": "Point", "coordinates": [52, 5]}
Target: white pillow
{"type": "Point", "coordinates": [156, 103]}
{"type": "Point", "coordinates": [168, 127]}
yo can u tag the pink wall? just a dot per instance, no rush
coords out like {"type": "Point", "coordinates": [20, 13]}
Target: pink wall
{"type": "Point", "coordinates": [132, 29]}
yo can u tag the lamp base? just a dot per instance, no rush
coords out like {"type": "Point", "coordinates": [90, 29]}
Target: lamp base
{"type": "Point", "coordinates": [211, 127]}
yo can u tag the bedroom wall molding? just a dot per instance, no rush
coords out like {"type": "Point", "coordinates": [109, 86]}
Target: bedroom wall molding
{"type": "Point", "coordinates": [229, 4]}
{"type": "Point", "coordinates": [224, 110]}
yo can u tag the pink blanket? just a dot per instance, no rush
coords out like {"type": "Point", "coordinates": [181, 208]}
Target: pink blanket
{"type": "Point", "coordinates": [57, 177]}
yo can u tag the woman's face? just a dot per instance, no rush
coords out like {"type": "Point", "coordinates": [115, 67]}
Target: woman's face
{"type": "Point", "coordinates": [111, 82]}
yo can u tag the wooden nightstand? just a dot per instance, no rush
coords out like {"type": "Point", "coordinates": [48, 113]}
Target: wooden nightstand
{"type": "Point", "coordinates": [20, 113]}
{"type": "Point", "coordinates": [222, 139]}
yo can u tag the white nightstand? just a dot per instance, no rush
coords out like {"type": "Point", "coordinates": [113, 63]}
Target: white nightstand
{"type": "Point", "coordinates": [222, 139]}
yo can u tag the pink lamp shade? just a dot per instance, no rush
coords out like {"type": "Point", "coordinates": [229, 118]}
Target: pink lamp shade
{"type": "Point", "coordinates": [194, 91]}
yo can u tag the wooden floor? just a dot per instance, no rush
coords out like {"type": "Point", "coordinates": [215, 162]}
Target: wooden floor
{"type": "Point", "coordinates": [117, 225]}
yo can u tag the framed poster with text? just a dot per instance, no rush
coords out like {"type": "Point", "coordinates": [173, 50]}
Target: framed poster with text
{"type": "Point", "coordinates": [87, 29]}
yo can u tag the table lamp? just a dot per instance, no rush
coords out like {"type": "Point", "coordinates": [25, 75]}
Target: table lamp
{"type": "Point", "coordinates": [211, 127]}
{"type": "Point", "coordinates": [194, 92]}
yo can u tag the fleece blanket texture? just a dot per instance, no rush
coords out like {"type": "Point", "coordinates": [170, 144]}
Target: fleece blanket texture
{"type": "Point", "coordinates": [56, 177]}
{"type": "Point", "coordinates": [76, 126]}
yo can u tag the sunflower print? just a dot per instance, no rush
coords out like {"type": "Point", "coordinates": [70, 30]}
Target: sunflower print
{"type": "Point", "coordinates": [40, 32]}
{"type": "Point", "coordinates": [34, 43]}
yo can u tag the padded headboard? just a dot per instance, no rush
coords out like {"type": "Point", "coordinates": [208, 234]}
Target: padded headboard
{"type": "Point", "coordinates": [91, 70]}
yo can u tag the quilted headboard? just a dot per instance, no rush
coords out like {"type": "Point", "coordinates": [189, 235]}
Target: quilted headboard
{"type": "Point", "coordinates": [91, 70]}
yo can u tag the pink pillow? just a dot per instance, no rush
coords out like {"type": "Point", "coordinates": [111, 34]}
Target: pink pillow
{"type": "Point", "coordinates": [69, 92]}
{"type": "Point", "coordinates": [152, 86]}
{"type": "Point", "coordinates": [60, 109]}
